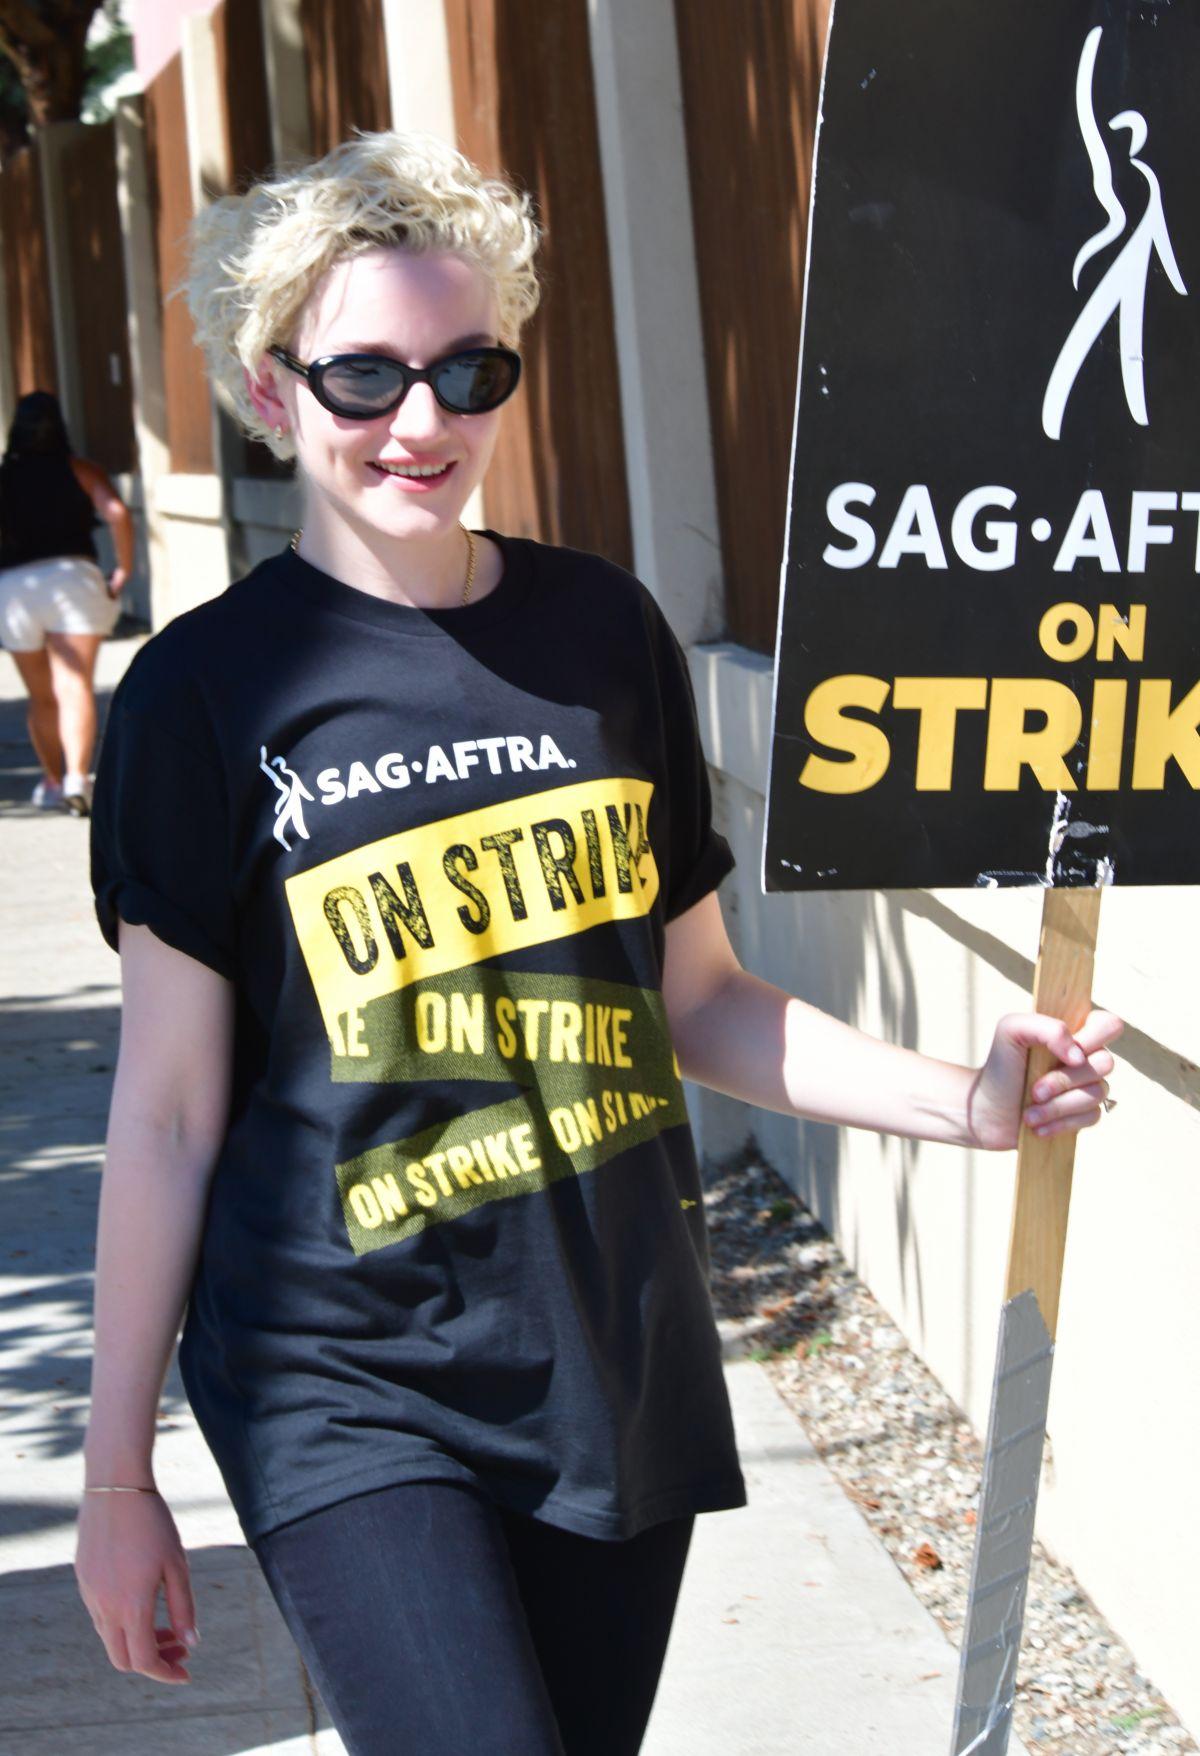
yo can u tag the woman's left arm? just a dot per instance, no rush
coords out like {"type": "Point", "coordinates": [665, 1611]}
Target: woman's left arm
{"type": "Point", "coordinates": [740, 1035]}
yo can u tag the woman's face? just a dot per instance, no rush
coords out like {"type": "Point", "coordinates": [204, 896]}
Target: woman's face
{"type": "Point", "coordinates": [415, 309]}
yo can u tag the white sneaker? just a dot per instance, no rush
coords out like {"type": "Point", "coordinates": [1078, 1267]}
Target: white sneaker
{"type": "Point", "coordinates": [47, 794]}
{"type": "Point", "coordinates": [77, 795]}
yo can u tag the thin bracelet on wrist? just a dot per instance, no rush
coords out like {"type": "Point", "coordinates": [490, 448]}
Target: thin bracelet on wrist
{"type": "Point", "coordinates": [120, 1490]}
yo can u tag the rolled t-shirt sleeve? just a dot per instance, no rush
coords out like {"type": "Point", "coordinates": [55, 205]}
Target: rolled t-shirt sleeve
{"type": "Point", "coordinates": [699, 856]}
{"type": "Point", "coordinates": [160, 841]}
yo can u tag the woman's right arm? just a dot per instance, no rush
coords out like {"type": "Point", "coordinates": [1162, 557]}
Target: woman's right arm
{"type": "Point", "coordinates": [116, 515]}
{"type": "Point", "coordinates": [169, 1110]}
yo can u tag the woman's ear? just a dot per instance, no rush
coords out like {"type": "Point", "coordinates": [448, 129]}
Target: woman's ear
{"type": "Point", "coordinates": [264, 394]}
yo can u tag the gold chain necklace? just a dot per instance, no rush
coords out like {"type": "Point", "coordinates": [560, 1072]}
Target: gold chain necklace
{"type": "Point", "coordinates": [294, 546]}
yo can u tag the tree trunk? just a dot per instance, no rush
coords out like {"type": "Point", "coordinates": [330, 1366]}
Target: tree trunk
{"type": "Point", "coordinates": [45, 41]}
{"type": "Point", "coordinates": [14, 131]}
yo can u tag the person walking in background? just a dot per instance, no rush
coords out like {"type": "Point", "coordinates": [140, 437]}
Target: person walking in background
{"type": "Point", "coordinates": [55, 604]}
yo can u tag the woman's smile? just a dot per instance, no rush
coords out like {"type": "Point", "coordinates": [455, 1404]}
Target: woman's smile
{"type": "Point", "coordinates": [415, 478]}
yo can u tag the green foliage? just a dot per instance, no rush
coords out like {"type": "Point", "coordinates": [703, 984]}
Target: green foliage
{"type": "Point", "coordinates": [11, 90]}
{"type": "Point", "coordinates": [107, 60]}
{"type": "Point", "coordinates": [760, 1355]}
{"type": "Point", "coordinates": [14, 111]}
{"type": "Point", "coordinates": [106, 57]}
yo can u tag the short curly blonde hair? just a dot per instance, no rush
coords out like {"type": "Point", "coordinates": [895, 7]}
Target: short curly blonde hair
{"type": "Point", "coordinates": [255, 258]}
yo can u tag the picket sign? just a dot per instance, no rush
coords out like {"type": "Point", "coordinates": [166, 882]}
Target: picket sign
{"type": "Point", "coordinates": [1024, 1355]}
{"type": "Point", "coordinates": [989, 629]}
{"type": "Point", "coordinates": [1062, 987]}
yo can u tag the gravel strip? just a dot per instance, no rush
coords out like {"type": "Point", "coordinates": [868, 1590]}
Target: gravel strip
{"type": "Point", "coordinates": [906, 1456]}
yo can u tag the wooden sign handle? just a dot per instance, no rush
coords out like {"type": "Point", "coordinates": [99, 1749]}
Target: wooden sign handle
{"type": "Point", "coordinates": [1063, 987]}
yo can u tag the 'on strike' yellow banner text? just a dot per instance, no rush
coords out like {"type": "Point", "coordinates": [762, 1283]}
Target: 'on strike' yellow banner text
{"type": "Point", "coordinates": [471, 887]}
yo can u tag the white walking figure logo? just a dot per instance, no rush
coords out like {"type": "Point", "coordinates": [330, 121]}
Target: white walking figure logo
{"type": "Point", "coordinates": [289, 811]}
{"type": "Point", "coordinates": [1122, 288]}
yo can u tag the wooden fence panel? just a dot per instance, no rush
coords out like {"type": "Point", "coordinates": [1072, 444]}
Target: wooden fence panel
{"type": "Point", "coordinates": [346, 55]}
{"type": "Point", "coordinates": [27, 275]}
{"type": "Point", "coordinates": [750, 78]}
{"type": "Point", "coordinates": [89, 171]}
{"type": "Point", "coordinates": [524, 104]}
{"type": "Point", "coordinates": [189, 405]}
{"type": "Point", "coordinates": [242, 74]}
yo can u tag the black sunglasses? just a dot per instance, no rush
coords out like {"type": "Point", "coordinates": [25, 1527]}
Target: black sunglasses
{"type": "Point", "coordinates": [363, 386]}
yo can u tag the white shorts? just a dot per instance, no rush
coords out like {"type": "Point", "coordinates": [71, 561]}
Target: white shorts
{"type": "Point", "coordinates": [65, 595]}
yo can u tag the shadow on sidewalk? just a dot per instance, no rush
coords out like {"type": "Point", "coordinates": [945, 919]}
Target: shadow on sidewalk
{"type": "Point", "coordinates": [19, 767]}
{"type": "Point", "coordinates": [58, 1061]}
{"type": "Point", "coordinates": [249, 1691]}
{"type": "Point", "coordinates": [59, 1031]}
{"type": "Point", "coordinates": [59, 1027]}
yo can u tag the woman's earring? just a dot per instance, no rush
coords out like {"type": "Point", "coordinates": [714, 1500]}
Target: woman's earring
{"type": "Point", "coordinates": [279, 432]}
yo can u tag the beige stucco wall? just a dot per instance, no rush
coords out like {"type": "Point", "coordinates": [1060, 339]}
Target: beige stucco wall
{"type": "Point", "coordinates": [927, 1226]}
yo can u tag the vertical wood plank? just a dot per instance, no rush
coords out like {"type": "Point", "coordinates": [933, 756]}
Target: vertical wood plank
{"type": "Point", "coordinates": [242, 73]}
{"type": "Point", "coordinates": [345, 53]}
{"type": "Point", "coordinates": [246, 119]}
{"type": "Point", "coordinates": [27, 275]}
{"type": "Point", "coordinates": [524, 104]}
{"type": "Point", "coordinates": [89, 174]}
{"type": "Point", "coordinates": [750, 77]}
{"type": "Point", "coordinates": [189, 408]}
{"type": "Point", "coordinates": [1063, 988]}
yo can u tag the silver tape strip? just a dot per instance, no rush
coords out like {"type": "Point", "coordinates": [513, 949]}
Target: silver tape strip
{"type": "Point", "coordinates": [1004, 1534]}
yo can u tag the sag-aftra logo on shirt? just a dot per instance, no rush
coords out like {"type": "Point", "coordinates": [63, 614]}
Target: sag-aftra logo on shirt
{"type": "Point", "coordinates": [505, 755]}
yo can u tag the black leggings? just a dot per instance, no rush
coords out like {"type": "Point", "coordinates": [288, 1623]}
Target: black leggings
{"type": "Point", "coordinates": [436, 1624]}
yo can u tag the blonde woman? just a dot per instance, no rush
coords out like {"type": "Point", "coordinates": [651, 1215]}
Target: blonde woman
{"type": "Point", "coordinates": [417, 937]}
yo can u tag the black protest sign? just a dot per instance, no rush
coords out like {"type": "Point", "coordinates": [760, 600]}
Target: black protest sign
{"type": "Point", "coordinates": [989, 648]}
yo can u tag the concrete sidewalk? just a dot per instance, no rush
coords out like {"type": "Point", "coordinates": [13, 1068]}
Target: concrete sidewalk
{"type": "Point", "coordinates": [795, 1632]}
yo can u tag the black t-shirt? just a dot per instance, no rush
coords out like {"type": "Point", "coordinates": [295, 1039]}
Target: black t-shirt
{"type": "Point", "coordinates": [44, 512]}
{"type": "Point", "coordinates": [455, 1230]}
